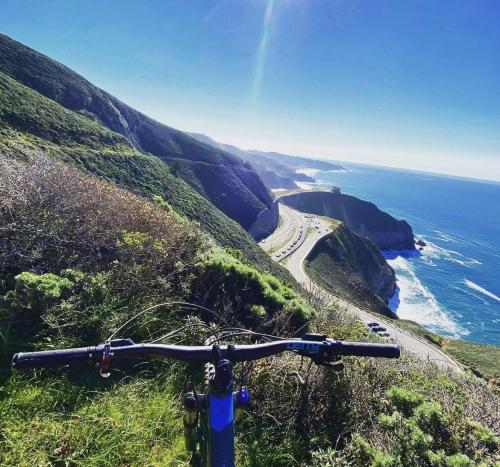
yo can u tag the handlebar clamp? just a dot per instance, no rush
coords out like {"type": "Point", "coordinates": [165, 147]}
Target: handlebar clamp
{"type": "Point", "coordinates": [326, 356]}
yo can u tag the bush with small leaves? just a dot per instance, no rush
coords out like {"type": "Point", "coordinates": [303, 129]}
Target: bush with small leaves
{"type": "Point", "coordinates": [404, 399]}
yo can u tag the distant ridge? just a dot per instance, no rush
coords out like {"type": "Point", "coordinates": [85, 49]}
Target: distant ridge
{"type": "Point", "coordinates": [276, 169]}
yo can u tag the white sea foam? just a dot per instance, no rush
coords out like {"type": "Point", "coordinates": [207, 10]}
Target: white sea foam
{"type": "Point", "coordinates": [472, 293]}
{"type": "Point", "coordinates": [417, 303]}
{"type": "Point", "coordinates": [478, 288]}
{"type": "Point", "coordinates": [432, 251]}
{"type": "Point", "coordinates": [307, 171]}
{"type": "Point", "coordinates": [277, 190]}
{"type": "Point", "coordinates": [306, 185]}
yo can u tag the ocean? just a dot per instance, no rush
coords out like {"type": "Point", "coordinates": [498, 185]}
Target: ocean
{"type": "Point", "coordinates": [453, 286]}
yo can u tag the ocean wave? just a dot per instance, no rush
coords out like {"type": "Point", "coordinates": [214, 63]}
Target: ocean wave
{"type": "Point", "coordinates": [452, 238]}
{"type": "Point", "coordinates": [471, 293]}
{"type": "Point", "coordinates": [478, 288]}
{"type": "Point", "coordinates": [307, 171]}
{"type": "Point", "coordinates": [416, 302]}
{"type": "Point", "coordinates": [432, 251]}
{"type": "Point", "coordinates": [306, 185]}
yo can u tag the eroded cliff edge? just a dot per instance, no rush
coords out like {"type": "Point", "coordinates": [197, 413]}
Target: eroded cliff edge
{"type": "Point", "coordinates": [353, 268]}
{"type": "Point", "coordinates": [362, 217]}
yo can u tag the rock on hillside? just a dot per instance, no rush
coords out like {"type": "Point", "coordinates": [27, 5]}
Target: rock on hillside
{"type": "Point", "coordinates": [362, 217]}
{"type": "Point", "coordinates": [231, 184]}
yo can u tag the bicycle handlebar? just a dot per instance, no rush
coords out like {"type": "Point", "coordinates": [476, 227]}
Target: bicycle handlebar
{"type": "Point", "coordinates": [322, 351]}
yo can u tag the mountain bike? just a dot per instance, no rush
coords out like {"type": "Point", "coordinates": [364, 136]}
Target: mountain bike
{"type": "Point", "coordinates": [209, 418]}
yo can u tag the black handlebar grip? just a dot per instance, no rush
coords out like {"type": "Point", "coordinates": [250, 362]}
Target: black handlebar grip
{"type": "Point", "coordinates": [366, 349]}
{"type": "Point", "coordinates": [50, 357]}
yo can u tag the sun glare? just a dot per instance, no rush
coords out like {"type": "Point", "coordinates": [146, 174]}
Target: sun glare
{"type": "Point", "coordinates": [260, 56]}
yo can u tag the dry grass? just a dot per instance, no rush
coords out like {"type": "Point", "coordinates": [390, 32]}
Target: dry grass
{"type": "Point", "coordinates": [53, 216]}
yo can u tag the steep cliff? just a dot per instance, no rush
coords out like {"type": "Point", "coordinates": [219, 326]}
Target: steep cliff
{"type": "Point", "coordinates": [265, 223]}
{"type": "Point", "coordinates": [224, 179]}
{"type": "Point", "coordinates": [362, 217]}
{"type": "Point", "coordinates": [30, 120]}
{"type": "Point", "coordinates": [352, 267]}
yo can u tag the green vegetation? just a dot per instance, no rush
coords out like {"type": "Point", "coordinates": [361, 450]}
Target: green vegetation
{"type": "Point", "coordinates": [58, 421]}
{"type": "Point", "coordinates": [374, 413]}
{"type": "Point", "coordinates": [225, 180]}
{"type": "Point", "coordinates": [419, 330]}
{"type": "Point", "coordinates": [25, 110]}
{"type": "Point", "coordinates": [353, 268]}
{"type": "Point", "coordinates": [483, 359]}
{"type": "Point", "coordinates": [259, 296]}
{"type": "Point", "coordinates": [106, 238]}
{"type": "Point", "coordinates": [30, 121]}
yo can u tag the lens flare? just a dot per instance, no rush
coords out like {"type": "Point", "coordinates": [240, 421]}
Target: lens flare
{"type": "Point", "coordinates": [260, 56]}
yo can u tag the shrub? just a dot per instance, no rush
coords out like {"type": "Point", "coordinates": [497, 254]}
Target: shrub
{"type": "Point", "coordinates": [485, 436]}
{"type": "Point", "coordinates": [82, 255]}
{"type": "Point", "coordinates": [404, 399]}
{"type": "Point", "coordinates": [55, 217]}
{"type": "Point", "coordinates": [240, 292]}
{"type": "Point", "coordinates": [38, 289]}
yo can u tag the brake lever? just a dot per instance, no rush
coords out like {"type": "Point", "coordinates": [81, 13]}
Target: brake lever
{"type": "Point", "coordinates": [105, 361]}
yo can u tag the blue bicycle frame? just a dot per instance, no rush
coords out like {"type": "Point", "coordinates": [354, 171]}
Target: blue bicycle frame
{"type": "Point", "coordinates": [209, 418]}
{"type": "Point", "coordinates": [212, 442]}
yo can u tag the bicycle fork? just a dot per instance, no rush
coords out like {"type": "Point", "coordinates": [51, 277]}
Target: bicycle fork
{"type": "Point", "coordinates": [209, 419]}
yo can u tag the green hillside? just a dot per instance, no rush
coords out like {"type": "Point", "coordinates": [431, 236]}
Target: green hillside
{"type": "Point", "coordinates": [229, 183]}
{"type": "Point", "coordinates": [352, 268]}
{"type": "Point", "coordinates": [29, 119]}
{"type": "Point", "coordinates": [96, 232]}
{"type": "Point", "coordinates": [80, 257]}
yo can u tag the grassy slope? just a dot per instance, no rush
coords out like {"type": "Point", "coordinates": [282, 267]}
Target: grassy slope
{"type": "Point", "coordinates": [210, 171]}
{"type": "Point", "coordinates": [343, 262]}
{"type": "Point", "coordinates": [483, 359]}
{"type": "Point", "coordinates": [28, 118]}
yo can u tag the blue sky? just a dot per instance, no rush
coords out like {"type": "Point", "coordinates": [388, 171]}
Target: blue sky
{"type": "Point", "coordinates": [412, 84]}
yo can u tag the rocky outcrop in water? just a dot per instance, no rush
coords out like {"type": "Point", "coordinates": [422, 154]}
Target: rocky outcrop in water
{"type": "Point", "coordinates": [362, 217]}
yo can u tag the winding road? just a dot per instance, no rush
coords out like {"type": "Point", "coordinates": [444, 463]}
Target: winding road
{"type": "Point", "coordinates": [314, 228]}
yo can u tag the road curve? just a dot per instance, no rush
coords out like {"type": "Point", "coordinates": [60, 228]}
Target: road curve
{"type": "Point", "coordinates": [290, 222]}
{"type": "Point", "coordinates": [295, 264]}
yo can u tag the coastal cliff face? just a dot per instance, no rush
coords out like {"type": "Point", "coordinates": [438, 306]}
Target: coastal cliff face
{"type": "Point", "coordinates": [353, 267]}
{"type": "Point", "coordinates": [362, 217]}
{"type": "Point", "coordinates": [266, 222]}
